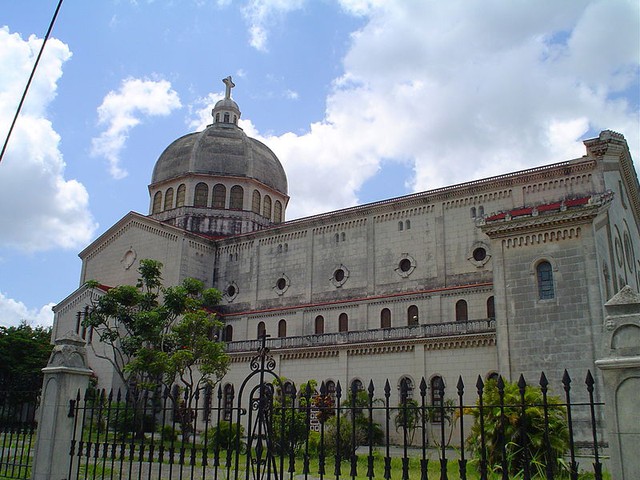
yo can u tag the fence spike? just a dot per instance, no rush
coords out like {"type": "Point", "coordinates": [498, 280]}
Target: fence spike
{"type": "Point", "coordinates": [544, 383]}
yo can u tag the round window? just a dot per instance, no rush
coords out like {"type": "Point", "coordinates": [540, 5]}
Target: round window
{"type": "Point", "coordinates": [281, 284]}
{"type": "Point", "coordinates": [338, 275]}
{"type": "Point", "coordinates": [231, 290]}
{"type": "Point", "coordinates": [405, 265]}
{"type": "Point", "coordinates": [479, 254]}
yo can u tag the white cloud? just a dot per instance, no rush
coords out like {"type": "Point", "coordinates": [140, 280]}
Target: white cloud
{"type": "Point", "coordinates": [40, 209]}
{"type": "Point", "coordinates": [262, 14]}
{"type": "Point", "coordinates": [463, 91]}
{"type": "Point", "coordinates": [122, 110]}
{"type": "Point", "coordinates": [12, 313]}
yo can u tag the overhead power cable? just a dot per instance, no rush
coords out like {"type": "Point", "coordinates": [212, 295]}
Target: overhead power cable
{"type": "Point", "coordinates": [33, 71]}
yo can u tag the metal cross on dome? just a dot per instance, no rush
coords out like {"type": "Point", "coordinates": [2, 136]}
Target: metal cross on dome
{"type": "Point", "coordinates": [229, 84]}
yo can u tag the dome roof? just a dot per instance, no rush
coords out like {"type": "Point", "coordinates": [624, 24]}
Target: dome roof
{"type": "Point", "coordinates": [222, 149]}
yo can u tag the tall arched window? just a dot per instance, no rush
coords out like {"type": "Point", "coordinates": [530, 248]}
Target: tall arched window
{"type": "Point", "coordinates": [319, 325]}
{"type": "Point", "coordinates": [385, 318]}
{"type": "Point", "coordinates": [356, 384]}
{"type": "Point", "coordinates": [330, 385]}
{"type": "Point", "coordinates": [168, 199]}
{"type": "Point", "coordinates": [228, 333]}
{"type": "Point", "coordinates": [437, 396]}
{"type": "Point", "coordinates": [236, 198]}
{"type": "Point", "coordinates": [277, 212]}
{"type": "Point", "coordinates": [282, 328]}
{"type": "Point", "coordinates": [544, 272]}
{"type": "Point", "coordinates": [219, 196]}
{"type": "Point", "coordinates": [181, 195]}
{"type": "Point", "coordinates": [157, 203]}
{"type": "Point", "coordinates": [462, 314]}
{"type": "Point", "coordinates": [262, 330]}
{"type": "Point", "coordinates": [266, 207]}
{"type": "Point", "coordinates": [491, 307]}
{"type": "Point", "coordinates": [255, 202]}
{"type": "Point", "coordinates": [405, 385]}
{"type": "Point", "coordinates": [201, 195]}
{"type": "Point", "coordinates": [343, 322]}
{"type": "Point", "coordinates": [412, 316]}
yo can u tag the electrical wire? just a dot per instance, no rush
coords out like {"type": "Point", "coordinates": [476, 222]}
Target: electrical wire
{"type": "Point", "coordinates": [33, 71]}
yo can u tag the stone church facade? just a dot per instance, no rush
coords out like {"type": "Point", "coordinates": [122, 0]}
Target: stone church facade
{"type": "Point", "coordinates": [504, 275]}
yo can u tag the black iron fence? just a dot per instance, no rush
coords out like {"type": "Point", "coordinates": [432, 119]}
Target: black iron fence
{"type": "Point", "coordinates": [17, 430]}
{"type": "Point", "coordinates": [272, 429]}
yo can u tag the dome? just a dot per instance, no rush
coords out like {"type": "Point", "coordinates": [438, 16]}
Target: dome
{"type": "Point", "coordinates": [222, 149]}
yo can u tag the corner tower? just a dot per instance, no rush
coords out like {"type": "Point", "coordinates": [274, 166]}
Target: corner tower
{"type": "Point", "coordinates": [219, 182]}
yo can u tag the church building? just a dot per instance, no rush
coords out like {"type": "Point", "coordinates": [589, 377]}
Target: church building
{"type": "Point", "coordinates": [502, 275]}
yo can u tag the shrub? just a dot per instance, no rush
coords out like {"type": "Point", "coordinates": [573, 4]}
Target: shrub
{"type": "Point", "coordinates": [224, 436]}
{"type": "Point", "coordinates": [504, 428]}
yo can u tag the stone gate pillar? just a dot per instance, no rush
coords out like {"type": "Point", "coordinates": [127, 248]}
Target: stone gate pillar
{"type": "Point", "coordinates": [66, 372]}
{"type": "Point", "coordinates": [620, 367]}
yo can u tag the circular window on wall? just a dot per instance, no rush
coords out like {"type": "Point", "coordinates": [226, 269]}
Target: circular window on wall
{"type": "Point", "coordinates": [406, 265]}
{"type": "Point", "coordinates": [340, 275]}
{"type": "Point", "coordinates": [282, 284]}
{"type": "Point", "coordinates": [479, 254]}
{"type": "Point", "coordinates": [231, 292]}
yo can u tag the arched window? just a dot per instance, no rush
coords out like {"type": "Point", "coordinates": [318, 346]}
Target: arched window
{"type": "Point", "coordinates": [407, 225]}
{"type": "Point", "coordinates": [277, 212]}
{"type": "Point", "coordinates": [473, 212]}
{"type": "Point", "coordinates": [219, 196]}
{"type": "Point", "coordinates": [157, 203]}
{"type": "Point", "coordinates": [343, 322]}
{"type": "Point", "coordinates": [412, 316]}
{"type": "Point", "coordinates": [319, 325]}
{"type": "Point", "coordinates": [181, 195]}
{"type": "Point", "coordinates": [480, 211]}
{"type": "Point", "coordinates": [227, 401]}
{"type": "Point", "coordinates": [356, 384]}
{"type": "Point", "coordinates": [201, 195]}
{"type": "Point", "coordinates": [226, 118]}
{"type": "Point", "coordinates": [544, 273]}
{"type": "Point", "coordinates": [330, 385]}
{"type": "Point", "coordinates": [228, 333]}
{"type": "Point", "coordinates": [266, 207]}
{"type": "Point", "coordinates": [236, 200]}
{"type": "Point", "coordinates": [400, 226]}
{"type": "Point", "coordinates": [282, 328]}
{"type": "Point", "coordinates": [262, 330]}
{"type": "Point", "coordinates": [385, 318]}
{"type": "Point", "coordinates": [462, 314]}
{"type": "Point", "coordinates": [437, 397]}
{"type": "Point", "coordinates": [405, 386]}
{"type": "Point", "coordinates": [491, 308]}
{"type": "Point", "coordinates": [255, 202]}
{"type": "Point", "coordinates": [168, 199]}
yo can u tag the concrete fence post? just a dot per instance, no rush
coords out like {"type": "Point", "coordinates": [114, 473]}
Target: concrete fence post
{"type": "Point", "coordinates": [620, 367]}
{"type": "Point", "coordinates": [65, 374]}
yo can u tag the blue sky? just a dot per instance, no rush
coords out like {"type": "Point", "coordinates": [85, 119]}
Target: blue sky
{"type": "Point", "coordinates": [362, 100]}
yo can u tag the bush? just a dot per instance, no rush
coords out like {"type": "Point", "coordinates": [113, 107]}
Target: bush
{"type": "Point", "coordinates": [505, 429]}
{"type": "Point", "coordinates": [167, 433]}
{"type": "Point", "coordinates": [224, 436]}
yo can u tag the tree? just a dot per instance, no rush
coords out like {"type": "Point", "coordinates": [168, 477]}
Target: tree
{"type": "Point", "coordinates": [24, 352]}
{"type": "Point", "coordinates": [159, 335]}
{"type": "Point", "coordinates": [503, 427]}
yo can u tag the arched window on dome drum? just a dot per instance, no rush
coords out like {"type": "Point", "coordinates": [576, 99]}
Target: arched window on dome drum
{"type": "Point", "coordinates": [255, 202]}
{"type": "Point", "coordinates": [157, 202]}
{"type": "Point", "coordinates": [385, 318]}
{"type": "Point", "coordinates": [219, 196]}
{"type": "Point", "coordinates": [236, 200]}
{"type": "Point", "coordinates": [168, 199]}
{"type": "Point", "coordinates": [277, 212]}
{"type": "Point", "coordinates": [226, 118]}
{"type": "Point", "coordinates": [181, 194]}
{"type": "Point", "coordinates": [262, 330]}
{"type": "Point", "coordinates": [266, 207]}
{"type": "Point", "coordinates": [282, 328]}
{"type": "Point", "coordinates": [412, 316]}
{"type": "Point", "coordinates": [343, 323]}
{"type": "Point", "coordinates": [201, 195]}
{"type": "Point", "coordinates": [319, 330]}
